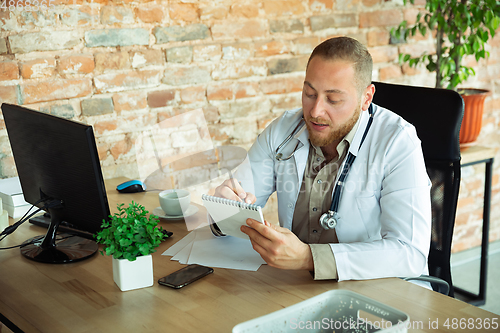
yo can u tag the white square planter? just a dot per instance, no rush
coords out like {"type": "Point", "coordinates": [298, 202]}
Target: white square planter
{"type": "Point", "coordinates": [136, 274]}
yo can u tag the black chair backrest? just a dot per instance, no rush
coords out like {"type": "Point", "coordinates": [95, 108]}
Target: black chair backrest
{"type": "Point", "coordinates": [437, 116]}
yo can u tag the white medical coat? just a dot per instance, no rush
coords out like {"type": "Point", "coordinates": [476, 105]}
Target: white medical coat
{"type": "Point", "coordinates": [385, 208]}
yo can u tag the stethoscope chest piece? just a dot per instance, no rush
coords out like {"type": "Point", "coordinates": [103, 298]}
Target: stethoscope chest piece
{"type": "Point", "coordinates": [329, 220]}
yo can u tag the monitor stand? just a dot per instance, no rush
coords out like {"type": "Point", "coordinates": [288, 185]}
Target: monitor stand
{"type": "Point", "coordinates": [58, 248]}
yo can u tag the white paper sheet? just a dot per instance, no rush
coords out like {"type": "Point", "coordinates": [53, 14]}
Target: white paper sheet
{"type": "Point", "coordinates": [226, 252]}
{"type": "Point", "coordinates": [172, 251]}
{"type": "Point", "coordinates": [202, 247]}
{"type": "Point", "coordinates": [183, 255]}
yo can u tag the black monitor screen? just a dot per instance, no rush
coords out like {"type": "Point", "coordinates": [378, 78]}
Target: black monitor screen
{"type": "Point", "coordinates": [57, 159]}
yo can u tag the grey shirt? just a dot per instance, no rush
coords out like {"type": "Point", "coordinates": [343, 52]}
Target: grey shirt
{"type": "Point", "coordinates": [314, 199]}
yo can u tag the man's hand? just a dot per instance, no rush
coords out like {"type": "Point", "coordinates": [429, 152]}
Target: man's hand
{"type": "Point", "coordinates": [278, 246]}
{"type": "Point", "coordinates": [231, 189]}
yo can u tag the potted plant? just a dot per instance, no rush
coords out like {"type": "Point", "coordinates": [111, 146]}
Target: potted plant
{"type": "Point", "coordinates": [461, 28]}
{"type": "Point", "coordinates": [130, 236]}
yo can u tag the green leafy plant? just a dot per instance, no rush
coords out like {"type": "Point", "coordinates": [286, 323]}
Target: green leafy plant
{"type": "Point", "coordinates": [461, 27]}
{"type": "Point", "coordinates": [130, 233]}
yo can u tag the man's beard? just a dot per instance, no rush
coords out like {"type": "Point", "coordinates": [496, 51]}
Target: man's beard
{"type": "Point", "coordinates": [334, 135]}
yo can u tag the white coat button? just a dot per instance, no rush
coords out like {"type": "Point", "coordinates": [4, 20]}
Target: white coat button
{"type": "Point", "coordinates": [319, 181]}
{"type": "Point", "coordinates": [290, 205]}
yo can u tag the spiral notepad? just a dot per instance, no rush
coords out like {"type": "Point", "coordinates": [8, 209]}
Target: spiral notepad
{"type": "Point", "coordinates": [230, 215]}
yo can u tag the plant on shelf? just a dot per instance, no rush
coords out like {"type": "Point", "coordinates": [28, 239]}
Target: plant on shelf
{"type": "Point", "coordinates": [461, 28]}
{"type": "Point", "coordinates": [130, 237]}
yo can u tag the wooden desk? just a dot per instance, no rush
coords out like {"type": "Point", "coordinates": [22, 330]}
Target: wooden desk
{"type": "Point", "coordinates": [470, 156]}
{"type": "Point", "coordinates": [82, 297]}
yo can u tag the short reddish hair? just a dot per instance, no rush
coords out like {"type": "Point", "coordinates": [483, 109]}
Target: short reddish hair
{"type": "Point", "coordinates": [349, 49]}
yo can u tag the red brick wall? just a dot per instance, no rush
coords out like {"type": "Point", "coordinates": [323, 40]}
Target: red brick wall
{"type": "Point", "coordinates": [124, 66]}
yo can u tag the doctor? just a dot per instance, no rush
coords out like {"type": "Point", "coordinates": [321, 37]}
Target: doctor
{"type": "Point", "coordinates": [353, 193]}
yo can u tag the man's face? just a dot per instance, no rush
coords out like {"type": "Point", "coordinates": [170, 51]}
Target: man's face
{"type": "Point", "coordinates": [330, 100]}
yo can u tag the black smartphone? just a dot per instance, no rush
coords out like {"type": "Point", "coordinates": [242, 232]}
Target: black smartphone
{"type": "Point", "coordinates": [185, 276]}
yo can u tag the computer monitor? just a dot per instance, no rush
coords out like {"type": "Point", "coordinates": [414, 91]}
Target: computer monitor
{"type": "Point", "coordinates": [58, 167]}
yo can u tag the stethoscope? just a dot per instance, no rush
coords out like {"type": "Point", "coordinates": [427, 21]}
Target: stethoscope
{"type": "Point", "coordinates": [295, 134]}
{"type": "Point", "coordinates": [329, 219]}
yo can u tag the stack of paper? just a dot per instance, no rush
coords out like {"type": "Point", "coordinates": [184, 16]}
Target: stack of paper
{"type": "Point", "coordinates": [13, 198]}
{"type": "Point", "coordinates": [201, 247]}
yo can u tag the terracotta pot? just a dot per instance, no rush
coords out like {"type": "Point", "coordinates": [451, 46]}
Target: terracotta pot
{"type": "Point", "coordinates": [473, 114]}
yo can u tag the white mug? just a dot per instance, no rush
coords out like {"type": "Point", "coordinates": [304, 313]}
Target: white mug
{"type": "Point", "coordinates": [174, 202]}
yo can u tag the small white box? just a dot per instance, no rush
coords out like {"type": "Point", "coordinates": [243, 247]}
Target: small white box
{"type": "Point", "coordinates": [11, 192]}
{"type": "Point", "coordinates": [332, 311]}
{"type": "Point", "coordinates": [13, 199]}
{"type": "Point", "coordinates": [17, 211]}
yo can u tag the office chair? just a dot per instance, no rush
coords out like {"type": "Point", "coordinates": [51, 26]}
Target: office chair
{"type": "Point", "coordinates": [437, 116]}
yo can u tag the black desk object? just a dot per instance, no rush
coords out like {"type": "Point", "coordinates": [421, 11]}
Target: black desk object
{"type": "Point", "coordinates": [471, 156]}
